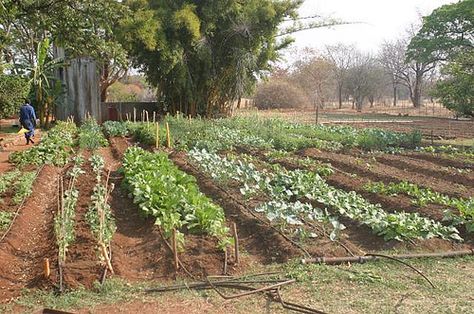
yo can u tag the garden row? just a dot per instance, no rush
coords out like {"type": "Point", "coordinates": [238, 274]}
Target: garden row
{"type": "Point", "coordinates": [293, 197]}
{"type": "Point", "coordinates": [225, 134]}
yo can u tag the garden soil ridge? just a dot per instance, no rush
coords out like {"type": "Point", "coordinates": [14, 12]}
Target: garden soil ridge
{"type": "Point", "coordinates": [30, 240]}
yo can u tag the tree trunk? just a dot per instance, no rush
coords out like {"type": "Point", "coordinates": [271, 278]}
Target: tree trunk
{"type": "Point", "coordinates": [394, 95]}
{"type": "Point", "coordinates": [339, 91]}
{"type": "Point", "coordinates": [416, 98]}
{"type": "Point", "coordinates": [103, 93]}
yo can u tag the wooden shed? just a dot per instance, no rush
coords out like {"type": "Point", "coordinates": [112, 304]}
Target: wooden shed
{"type": "Point", "coordinates": [81, 85]}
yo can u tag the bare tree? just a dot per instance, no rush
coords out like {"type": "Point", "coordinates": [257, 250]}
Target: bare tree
{"type": "Point", "coordinates": [393, 62]}
{"type": "Point", "coordinates": [359, 81]}
{"type": "Point", "coordinates": [410, 74]}
{"type": "Point", "coordinates": [341, 57]}
{"type": "Point", "coordinates": [313, 74]}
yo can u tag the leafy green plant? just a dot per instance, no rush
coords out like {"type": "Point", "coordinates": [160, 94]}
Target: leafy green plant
{"type": "Point", "coordinates": [6, 180]}
{"type": "Point", "coordinates": [115, 128]}
{"type": "Point", "coordinates": [54, 148]}
{"type": "Point", "coordinates": [5, 219]}
{"type": "Point", "coordinates": [23, 186]}
{"type": "Point", "coordinates": [299, 184]}
{"type": "Point", "coordinates": [64, 219]}
{"type": "Point", "coordinates": [171, 196]}
{"type": "Point", "coordinates": [91, 136]}
{"type": "Point", "coordinates": [423, 196]}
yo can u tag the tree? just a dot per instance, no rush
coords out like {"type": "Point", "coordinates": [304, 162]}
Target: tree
{"type": "Point", "coordinates": [82, 27]}
{"type": "Point", "coordinates": [314, 75]}
{"type": "Point", "coordinates": [392, 59]}
{"type": "Point", "coordinates": [359, 80]}
{"type": "Point", "coordinates": [409, 73]}
{"type": "Point", "coordinates": [42, 80]}
{"type": "Point", "coordinates": [447, 35]}
{"type": "Point", "coordinates": [13, 90]}
{"type": "Point", "coordinates": [341, 56]}
{"type": "Point", "coordinates": [456, 91]}
{"type": "Point", "coordinates": [208, 54]}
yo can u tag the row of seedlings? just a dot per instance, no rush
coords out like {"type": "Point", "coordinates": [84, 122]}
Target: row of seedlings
{"type": "Point", "coordinates": [54, 149]}
{"type": "Point", "coordinates": [64, 220]}
{"type": "Point", "coordinates": [172, 198]}
{"type": "Point", "coordinates": [421, 196]}
{"type": "Point", "coordinates": [285, 186]}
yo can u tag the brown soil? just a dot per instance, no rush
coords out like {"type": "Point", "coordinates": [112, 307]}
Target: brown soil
{"type": "Point", "coordinates": [427, 168]}
{"type": "Point", "coordinates": [441, 160]}
{"type": "Point", "coordinates": [367, 166]}
{"type": "Point", "coordinates": [82, 266]}
{"type": "Point", "coordinates": [261, 241]}
{"type": "Point", "coordinates": [359, 238]}
{"type": "Point", "coordinates": [30, 240]}
{"type": "Point", "coordinates": [15, 144]}
{"type": "Point", "coordinates": [440, 128]}
{"type": "Point", "coordinates": [138, 250]}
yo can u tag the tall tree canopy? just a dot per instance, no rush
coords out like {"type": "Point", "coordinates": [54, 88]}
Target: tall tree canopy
{"type": "Point", "coordinates": [448, 31]}
{"type": "Point", "coordinates": [202, 55]}
{"type": "Point", "coordinates": [447, 35]}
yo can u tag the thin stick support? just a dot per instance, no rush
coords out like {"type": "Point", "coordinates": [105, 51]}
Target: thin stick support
{"type": "Point", "coordinates": [236, 243]}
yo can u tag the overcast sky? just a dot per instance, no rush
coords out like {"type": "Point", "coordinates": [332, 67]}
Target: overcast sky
{"type": "Point", "coordinates": [382, 20]}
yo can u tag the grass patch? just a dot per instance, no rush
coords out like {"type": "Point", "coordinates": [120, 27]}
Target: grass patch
{"type": "Point", "coordinates": [377, 287]}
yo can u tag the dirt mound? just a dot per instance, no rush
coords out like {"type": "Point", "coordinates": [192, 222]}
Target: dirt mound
{"type": "Point", "coordinates": [138, 249]}
{"type": "Point", "coordinates": [30, 240]}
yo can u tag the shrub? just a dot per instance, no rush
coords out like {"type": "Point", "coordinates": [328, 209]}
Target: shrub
{"type": "Point", "coordinates": [279, 94]}
{"type": "Point", "coordinates": [13, 89]}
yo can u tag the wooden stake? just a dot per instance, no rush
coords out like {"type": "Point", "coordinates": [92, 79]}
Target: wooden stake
{"type": "Point", "coordinates": [106, 258]}
{"type": "Point", "coordinates": [226, 256]}
{"type": "Point", "coordinates": [134, 114]}
{"type": "Point", "coordinates": [236, 243]}
{"type": "Point", "coordinates": [168, 135]}
{"type": "Point", "coordinates": [175, 250]}
{"type": "Point", "coordinates": [157, 135]}
{"type": "Point", "coordinates": [154, 117]}
{"type": "Point", "coordinates": [46, 268]}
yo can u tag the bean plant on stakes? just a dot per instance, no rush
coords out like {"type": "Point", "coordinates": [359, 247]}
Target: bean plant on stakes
{"type": "Point", "coordinates": [64, 220]}
{"type": "Point", "coordinates": [99, 215]}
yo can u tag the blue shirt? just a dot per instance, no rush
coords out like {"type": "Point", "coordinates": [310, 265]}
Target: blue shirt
{"type": "Point", "coordinates": [27, 112]}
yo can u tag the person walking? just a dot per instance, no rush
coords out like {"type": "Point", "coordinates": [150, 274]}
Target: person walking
{"type": "Point", "coordinates": [28, 121]}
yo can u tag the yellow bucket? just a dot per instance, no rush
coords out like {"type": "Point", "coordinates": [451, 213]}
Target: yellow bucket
{"type": "Point", "coordinates": [23, 131]}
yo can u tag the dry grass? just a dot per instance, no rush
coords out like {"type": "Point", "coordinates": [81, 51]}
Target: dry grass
{"type": "Point", "coordinates": [381, 287]}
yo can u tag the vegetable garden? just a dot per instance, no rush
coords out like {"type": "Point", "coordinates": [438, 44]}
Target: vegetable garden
{"type": "Point", "coordinates": [191, 197]}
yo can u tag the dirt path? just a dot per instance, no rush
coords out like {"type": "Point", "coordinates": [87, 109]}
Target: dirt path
{"type": "Point", "coordinates": [15, 145]}
{"type": "Point", "coordinates": [30, 240]}
{"type": "Point", "coordinates": [368, 167]}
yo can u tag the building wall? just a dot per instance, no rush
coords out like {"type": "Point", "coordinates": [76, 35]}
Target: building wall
{"type": "Point", "coordinates": [81, 83]}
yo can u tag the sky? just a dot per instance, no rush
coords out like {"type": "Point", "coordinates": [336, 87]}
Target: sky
{"type": "Point", "coordinates": [380, 20]}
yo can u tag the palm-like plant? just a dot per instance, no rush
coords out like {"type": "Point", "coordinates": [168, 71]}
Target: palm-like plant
{"type": "Point", "coordinates": [42, 79]}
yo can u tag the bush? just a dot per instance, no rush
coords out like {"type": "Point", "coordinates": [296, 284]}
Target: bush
{"type": "Point", "coordinates": [279, 95]}
{"type": "Point", "coordinates": [456, 92]}
{"type": "Point", "coordinates": [13, 89]}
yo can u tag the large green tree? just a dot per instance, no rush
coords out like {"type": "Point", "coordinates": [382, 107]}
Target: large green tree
{"type": "Point", "coordinates": [456, 91]}
{"type": "Point", "coordinates": [81, 27]}
{"type": "Point", "coordinates": [447, 36]}
{"type": "Point", "coordinates": [203, 55]}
